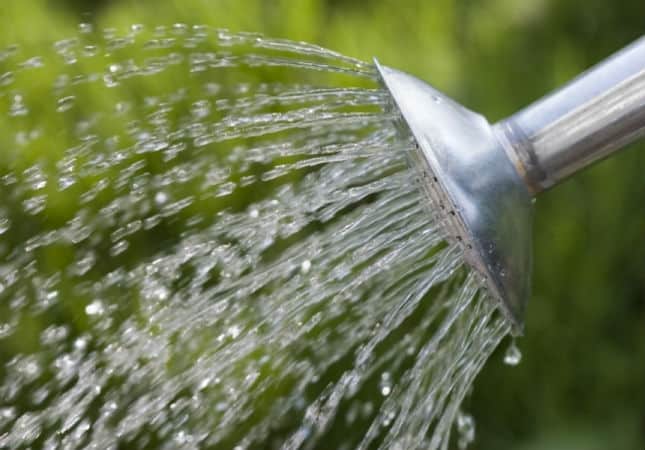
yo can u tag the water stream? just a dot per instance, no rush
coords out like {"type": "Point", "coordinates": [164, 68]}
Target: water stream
{"type": "Point", "coordinates": [214, 240]}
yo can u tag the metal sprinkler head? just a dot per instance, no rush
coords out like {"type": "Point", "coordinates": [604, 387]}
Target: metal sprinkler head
{"type": "Point", "coordinates": [482, 178]}
{"type": "Point", "coordinates": [470, 179]}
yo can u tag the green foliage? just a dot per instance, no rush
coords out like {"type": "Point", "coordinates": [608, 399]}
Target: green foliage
{"type": "Point", "coordinates": [580, 384]}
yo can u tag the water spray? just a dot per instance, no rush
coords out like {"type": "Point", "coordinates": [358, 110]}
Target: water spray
{"type": "Point", "coordinates": [483, 178]}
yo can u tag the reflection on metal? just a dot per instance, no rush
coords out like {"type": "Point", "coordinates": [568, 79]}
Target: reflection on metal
{"type": "Point", "coordinates": [482, 176]}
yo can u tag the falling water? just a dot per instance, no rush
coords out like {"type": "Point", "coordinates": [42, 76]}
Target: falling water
{"type": "Point", "coordinates": [213, 240]}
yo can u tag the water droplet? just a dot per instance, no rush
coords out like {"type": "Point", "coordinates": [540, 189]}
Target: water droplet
{"type": "Point", "coordinates": [305, 267]}
{"type": "Point", "coordinates": [6, 78]}
{"type": "Point", "coordinates": [182, 438]}
{"type": "Point", "coordinates": [33, 63]}
{"type": "Point", "coordinates": [6, 329]}
{"type": "Point", "coordinates": [136, 27]}
{"type": "Point", "coordinates": [513, 355]}
{"type": "Point", "coordinates": [50, 298]}
{"type": "Point", "coordinates": [234, 331]}
{"type": "Point", "coordinates": [54, 335]}
{"type": "Point", "coordinates": [204, 383]}
{"type": "Point", "coordinates": [90, 50]}
{"type": "Point", "coordinates": [80, 343]}
{"type": "Point", "coordinates": [35, 177]}
{"type": "Point", "coordinates": [65, 103]}
{"type": "Point", "coordinates": [159, 293]}
{"type": "Point", "coordinates": [466, 430]}
{"type": "Point", "coordinates": [110, 81]}
{"type": "Point", "coordinates": [18, 107]}
{"type": "Point", "coordinates": [85, 28]}
{"type": "Point", "coordinates": [5, 224]}
{"type": "Point", "coordinates": [225, 189]}
{"type": "Point", "coordinates": [7, 413]}
{"type": "Point", "coordinates": [152, 221]}
{"type": "Point", "coordinates": [65, 182]}
{"type": "Point", "coordinates": [180, 28]}
{"type": "Point", "coordinates": [254, 213]}
{"type": "Point", "coordinates": [65, 367]}
{"type": "Point", "coordinates": [225, 39]}
{"type": "Point", "coordinates": [95, 308]}
{"type": "Point", "coordinates": [34, 205]}
{"type": "Point", "coordinates": [201, 109]}
{"type": "Point", "coordinates": [84, 264]}
{"type": "Point", "coordinates": [387, 418]}
{"type": "Point", "coordinates": [119, 248]}
{"type": "Point", "coordinates": [65, 45]}
{"type": "Point", "coordinates": [161, 198]}
{"type": "Point", "coordinates": [69, 58]}
{"type": "Point", "coordinates": [29, 368]}
{"type": "Point", "coordinates": [385, 384]}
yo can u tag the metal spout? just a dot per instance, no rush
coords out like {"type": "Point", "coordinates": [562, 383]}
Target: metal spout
{"type": "Point", "coordinates": [482, 177]}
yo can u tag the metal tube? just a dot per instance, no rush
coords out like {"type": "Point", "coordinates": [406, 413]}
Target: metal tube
{"type": "Point", "coordinates": [595, 114]}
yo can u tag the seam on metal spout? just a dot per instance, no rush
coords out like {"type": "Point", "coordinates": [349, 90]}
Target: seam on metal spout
{"type": "Point", "coordinates": [521, 153]}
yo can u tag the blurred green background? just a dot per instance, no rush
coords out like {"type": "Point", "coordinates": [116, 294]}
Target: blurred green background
{"type": "Point", "coordinates": [581, 383]}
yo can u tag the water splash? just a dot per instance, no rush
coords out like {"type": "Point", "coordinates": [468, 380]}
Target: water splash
{"type": "Point", "coordinates": [213, 240]}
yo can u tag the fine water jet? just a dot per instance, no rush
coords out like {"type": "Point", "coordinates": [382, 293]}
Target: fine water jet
{"type": "Point", "coordinates": [483, 178]}
{"type": "Point", "coordinates": [212, 240]}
